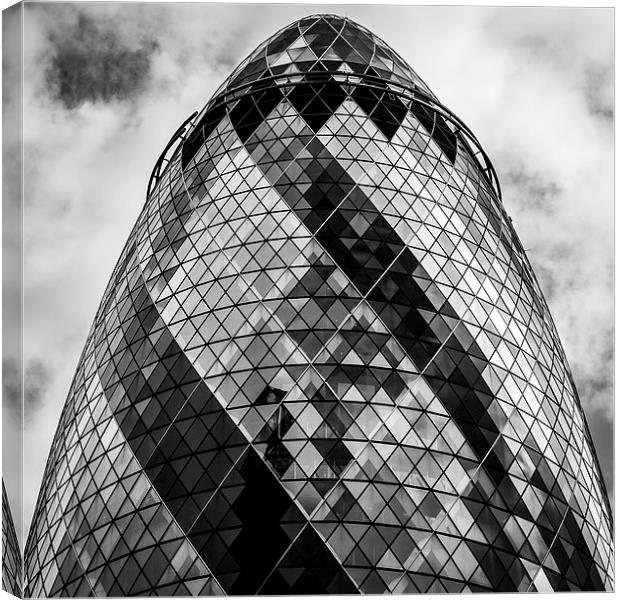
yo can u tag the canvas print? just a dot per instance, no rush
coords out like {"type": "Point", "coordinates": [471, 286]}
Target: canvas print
{"type": "Point", "coordinates": [269, 324]}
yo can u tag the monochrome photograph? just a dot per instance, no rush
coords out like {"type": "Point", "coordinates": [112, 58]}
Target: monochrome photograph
{"type": "Point", "coordinates": [306, 299]}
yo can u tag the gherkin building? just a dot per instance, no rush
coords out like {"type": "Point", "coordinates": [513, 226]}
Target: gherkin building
{"type": "Point", "coordinates": [323, 363]}
{"type": "Point", "coordinates": [11, 552]}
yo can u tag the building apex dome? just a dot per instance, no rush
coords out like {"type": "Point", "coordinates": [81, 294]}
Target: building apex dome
{"type": "Point", "coordinates": [324, 42]}
{"type": "Point", "coordinates": [315, 63]}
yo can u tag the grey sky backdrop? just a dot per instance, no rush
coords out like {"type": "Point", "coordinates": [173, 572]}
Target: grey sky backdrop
{"type": "Point", "coordinates": [107, 84]}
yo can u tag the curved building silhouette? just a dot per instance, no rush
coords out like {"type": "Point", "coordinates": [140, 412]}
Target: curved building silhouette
{"type": "Point", "coordinates": [11, 552]}
{"type": "Point", "coordinates": [322, 363]}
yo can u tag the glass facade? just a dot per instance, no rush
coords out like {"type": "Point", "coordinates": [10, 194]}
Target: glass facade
{"type": "Point", "coordinates": [11, 553]}
{"type": "Point", "coordinates": [323, 363]}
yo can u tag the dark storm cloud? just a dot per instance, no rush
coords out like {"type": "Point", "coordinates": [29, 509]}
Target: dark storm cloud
{"type": "Point", "coordinates": [35, 382]}
{"type": "Point", "coordinates": [11, 387]}
{"type": "Point", "coordinates": [531, 189]}
{"type": "Point", "coordinates": [599, 91]}
{"type": "Point", "coordinates": [595, 382]}
{"type": "Point", "coordinates": [89, 62]}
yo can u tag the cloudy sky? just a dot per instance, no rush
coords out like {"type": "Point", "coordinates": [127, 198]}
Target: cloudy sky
{"type": "Point", "coordinates": [105, 85]}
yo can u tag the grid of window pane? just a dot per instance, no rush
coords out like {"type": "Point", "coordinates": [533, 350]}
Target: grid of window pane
{"type": "Point", "coordinates": [11, 553]}
{"type": "Point", "coordinates": [323, 363]}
